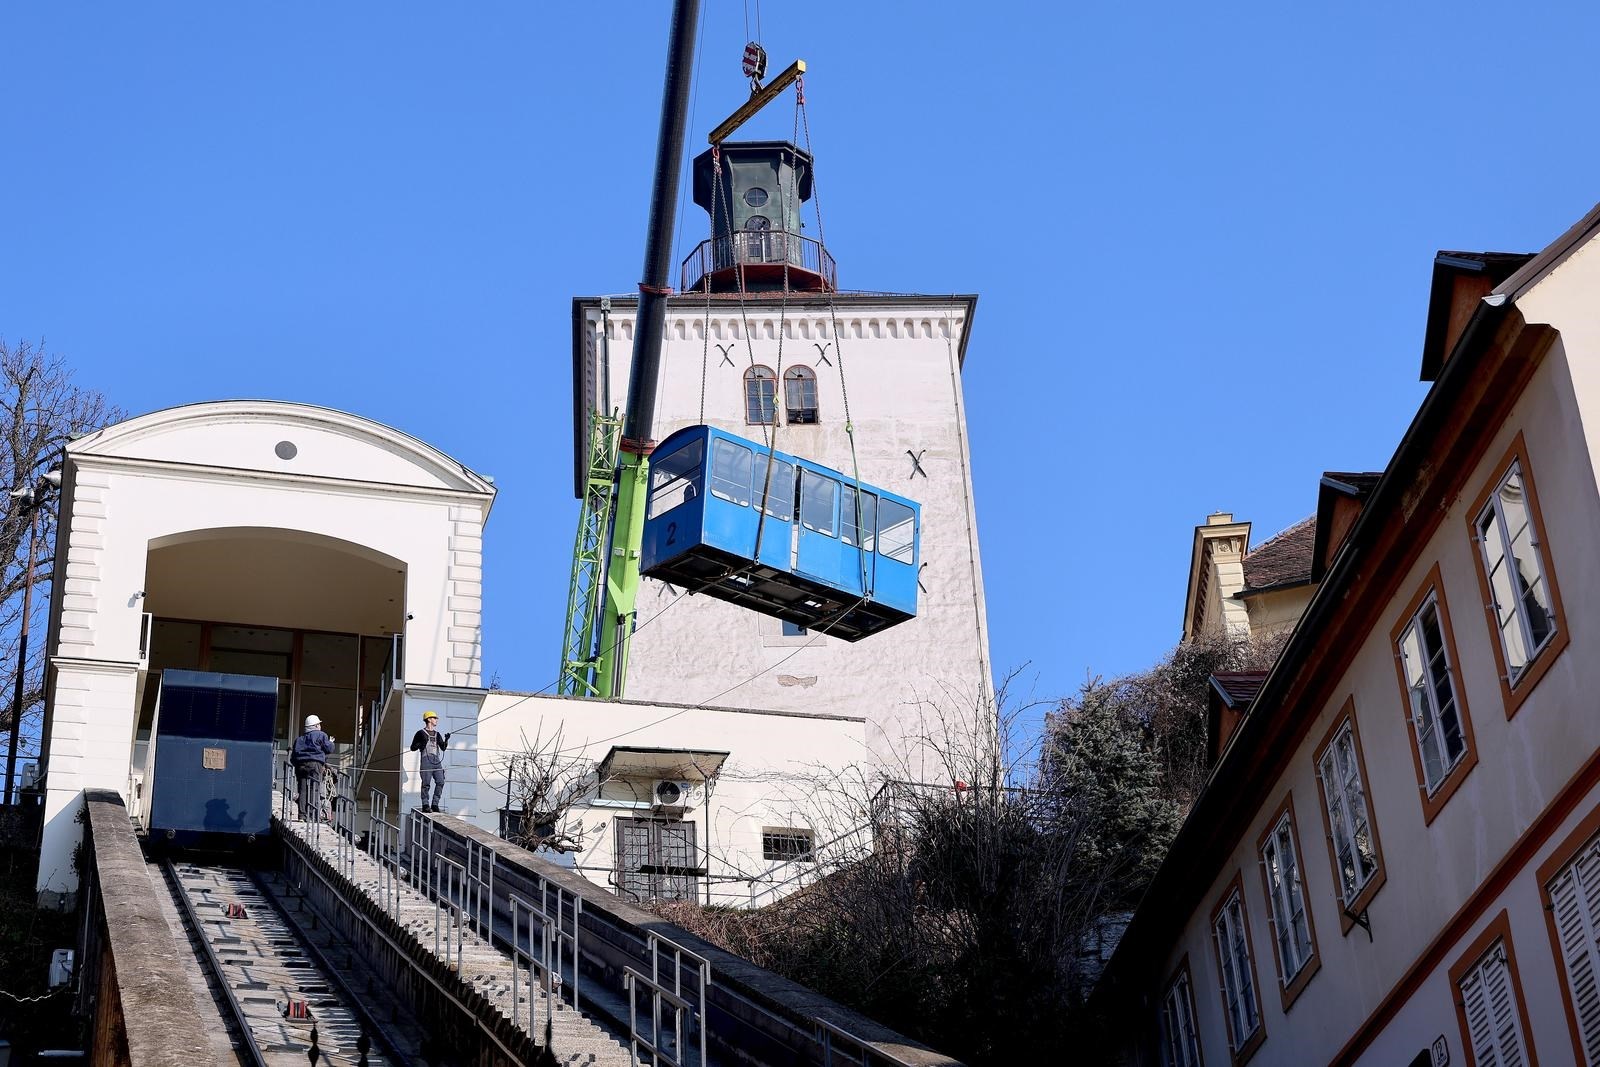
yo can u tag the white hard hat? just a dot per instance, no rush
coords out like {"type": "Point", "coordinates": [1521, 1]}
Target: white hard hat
{"type": "Point", "coordinates": [312, 722]}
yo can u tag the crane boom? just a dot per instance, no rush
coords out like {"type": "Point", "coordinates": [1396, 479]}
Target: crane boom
{"type": "Point", "coordinates": [620, 613]}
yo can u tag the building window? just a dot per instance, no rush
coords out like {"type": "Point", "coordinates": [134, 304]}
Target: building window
{"type": "Point", "coordinates": [1488, 996]}
{"type": "Point", "coordinates": [1347, 817]}
{"type": "Point", "coordinates": [800, 395]}
{"type": "Point", "coordinates": [1237, 971]}
{"type": "Point", "coordinates": [1180, 1041]}
{"type": "Point", "coordinates": [760, 396]}
{"type": "Point", "coordinates": [1569, 881]}
{"type": "Point", "coordinates": [1294, 941]}
{"type": "Point", "coordinates": [785, 844]}
{"type": "Point", "coordinates": [1520, 598]}
{"type": "Point", "coordinates": [1441, 732]}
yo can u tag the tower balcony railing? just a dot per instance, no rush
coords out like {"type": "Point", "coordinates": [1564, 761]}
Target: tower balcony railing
{"type": "Point", "coordinates": [763, 255]}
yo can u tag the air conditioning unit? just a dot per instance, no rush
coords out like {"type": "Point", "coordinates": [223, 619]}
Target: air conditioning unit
{"type": "Point", "coordinates": [668, 794]}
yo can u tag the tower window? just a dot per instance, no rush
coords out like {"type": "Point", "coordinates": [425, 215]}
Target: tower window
{"type": "Point", "coordinates": [800, 395]}
{"type": "Point", "coordinates": [755, 197]}
{"type": "Point", "coordinates": [760, 396]}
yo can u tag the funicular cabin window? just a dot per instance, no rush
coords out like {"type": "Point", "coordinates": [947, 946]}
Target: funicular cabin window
{"type": "Point", "coordinates": [778, 498]}
{"type": "Point", "coordinates": [863, 533]}
{"type": "Point", "coordinates": [897, 531]}
{"type": "Point", "coordinates": [760, 396]}
{"type": "Point", "coordinates": [673, 479]}
{"type": "Point", "coordinates": [800, 395]}
{"type": "Point", "coordinates": [730, 472]}
{"type": "Point", "coordinates": [818, 496]}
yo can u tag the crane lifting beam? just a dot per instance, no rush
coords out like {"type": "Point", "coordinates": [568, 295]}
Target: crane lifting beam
{"type": "Point", "coordinates": [758, 100]}
{"type": "Point", "coordinates": [620, 614]}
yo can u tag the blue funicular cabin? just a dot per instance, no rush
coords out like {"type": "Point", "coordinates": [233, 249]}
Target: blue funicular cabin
{"type": "Point", "coordinates": [210, 764]}
{"type": "Point", "coordinates": [802, 557]}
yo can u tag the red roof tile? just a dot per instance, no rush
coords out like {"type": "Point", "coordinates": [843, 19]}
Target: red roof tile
{"type": "Point", "coordinates": [1282, 560]}
{"type": "Point", "coordinates": [1238, 688]}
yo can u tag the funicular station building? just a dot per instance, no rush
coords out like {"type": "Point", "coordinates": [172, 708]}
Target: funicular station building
{"type": "Point", "coordinates": [343, 560]}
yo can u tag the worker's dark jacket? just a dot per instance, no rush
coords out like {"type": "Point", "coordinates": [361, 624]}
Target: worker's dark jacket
{"type": "Point", "coordinates": [419, 743]}
{"type": "Point", "coordinates": [312, 746]}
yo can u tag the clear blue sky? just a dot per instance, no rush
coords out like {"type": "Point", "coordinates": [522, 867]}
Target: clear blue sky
{"type": "Point", "coordinates": [1201, 234]}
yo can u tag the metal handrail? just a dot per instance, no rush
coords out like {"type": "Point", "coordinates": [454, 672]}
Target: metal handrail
{"type": "Point", "coordinates": [867, 1053]}
{"type": "Point", "coordinates": [751, 248]}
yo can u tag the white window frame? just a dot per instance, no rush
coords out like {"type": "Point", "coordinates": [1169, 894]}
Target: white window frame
{"type": "Point", "coordinates": [1494, 1041]}
{"type": "Point", "coordinates": [1232, 945]}
{"type": "Point", "coordinates": [1180, 1039]}
{"type": "Point", "coordinates": [1287, 899]}
{"type": "Point", "coordinates": [1494, 510]}
{"type": "Point", "coordinates": [1345, 794]}
{"type": "Point", "coordinates": [1422, 691]}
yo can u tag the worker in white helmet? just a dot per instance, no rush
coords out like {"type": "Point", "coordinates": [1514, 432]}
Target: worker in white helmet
{"type": "Point", "coordinates": [310, 759]}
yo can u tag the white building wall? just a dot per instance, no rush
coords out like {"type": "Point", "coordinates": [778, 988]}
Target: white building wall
{"type": "Point", "coordinates": [783, 770]}
{"type": "Point", "coordinates": [926, 677]}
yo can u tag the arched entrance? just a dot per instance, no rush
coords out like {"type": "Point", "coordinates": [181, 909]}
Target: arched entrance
{"type": "Point", "coordinates": [317, 613]}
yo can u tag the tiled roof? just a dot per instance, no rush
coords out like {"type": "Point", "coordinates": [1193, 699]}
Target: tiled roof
{"type": "Point", "coordinates": [1238, 688]}
{"type": "Point", "coordinates": [1282, 560]}
{"type": "Point", "coordinates": [1363, 482]}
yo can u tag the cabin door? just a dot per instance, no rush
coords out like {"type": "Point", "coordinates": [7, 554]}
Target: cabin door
{"type": "Point", "coordinates": [817, 546]}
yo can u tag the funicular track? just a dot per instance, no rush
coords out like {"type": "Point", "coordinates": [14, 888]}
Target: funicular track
{"type": "Point", "coordinates": [283, 994]}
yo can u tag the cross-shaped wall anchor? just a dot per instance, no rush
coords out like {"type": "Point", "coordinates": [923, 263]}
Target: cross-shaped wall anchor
{"type": "Point", "coordinates": [916, 463]}
{"type": "Point", "coordinates": [822, 351]}
{"type": "Point", "coordinates": [725, 349]}
{"type": "Point", "coordinates": [919, 577]}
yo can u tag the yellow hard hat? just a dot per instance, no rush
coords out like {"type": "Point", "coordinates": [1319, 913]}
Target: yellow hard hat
{"type": "Point", "coordinates": [429, 715]}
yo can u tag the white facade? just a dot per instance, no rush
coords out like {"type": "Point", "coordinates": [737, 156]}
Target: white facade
{"type": "Point", "coordinates": [901, 358]}
{"type": "Point", "coordinates": [1466, 937]}
{"type": "Point", "coordinates": [253, 516]}
{"type": "Point", "coordinates": [292, 541]}
{"type": "Point", "coordinates": [752, 773]}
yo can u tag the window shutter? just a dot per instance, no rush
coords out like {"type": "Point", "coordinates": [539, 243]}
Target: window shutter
{"type": "Point", "coordinates": [1491, 1010]}
{"type": "Point", "coordinates": [1480, 1030]}
{"type": "Point", "coordinates": [1574, 894]}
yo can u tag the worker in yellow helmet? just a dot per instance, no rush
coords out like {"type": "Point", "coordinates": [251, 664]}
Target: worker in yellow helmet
{"type": "Point", "coordinates": [431, 743]}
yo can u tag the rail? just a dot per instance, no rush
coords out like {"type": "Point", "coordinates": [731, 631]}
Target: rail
{"type": "Point", "coordinates": [771, 249]}
{"type": "Point", "coordinates": [659, 991]}
{"type": "Point", "coordinates": [670, 998]}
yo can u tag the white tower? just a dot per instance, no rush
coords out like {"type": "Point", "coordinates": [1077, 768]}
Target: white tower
{"type": "Point", "coordinates": [761, 342]}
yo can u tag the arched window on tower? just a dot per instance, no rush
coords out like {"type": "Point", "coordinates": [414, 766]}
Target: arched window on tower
{"type": "Point", "coordinates": [760, 396]}
{"type": "Point", "coordinates": [800, 395]}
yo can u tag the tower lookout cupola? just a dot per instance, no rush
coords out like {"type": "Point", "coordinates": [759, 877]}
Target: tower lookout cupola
{"type": "Point", "coordinates": [756, 244]}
